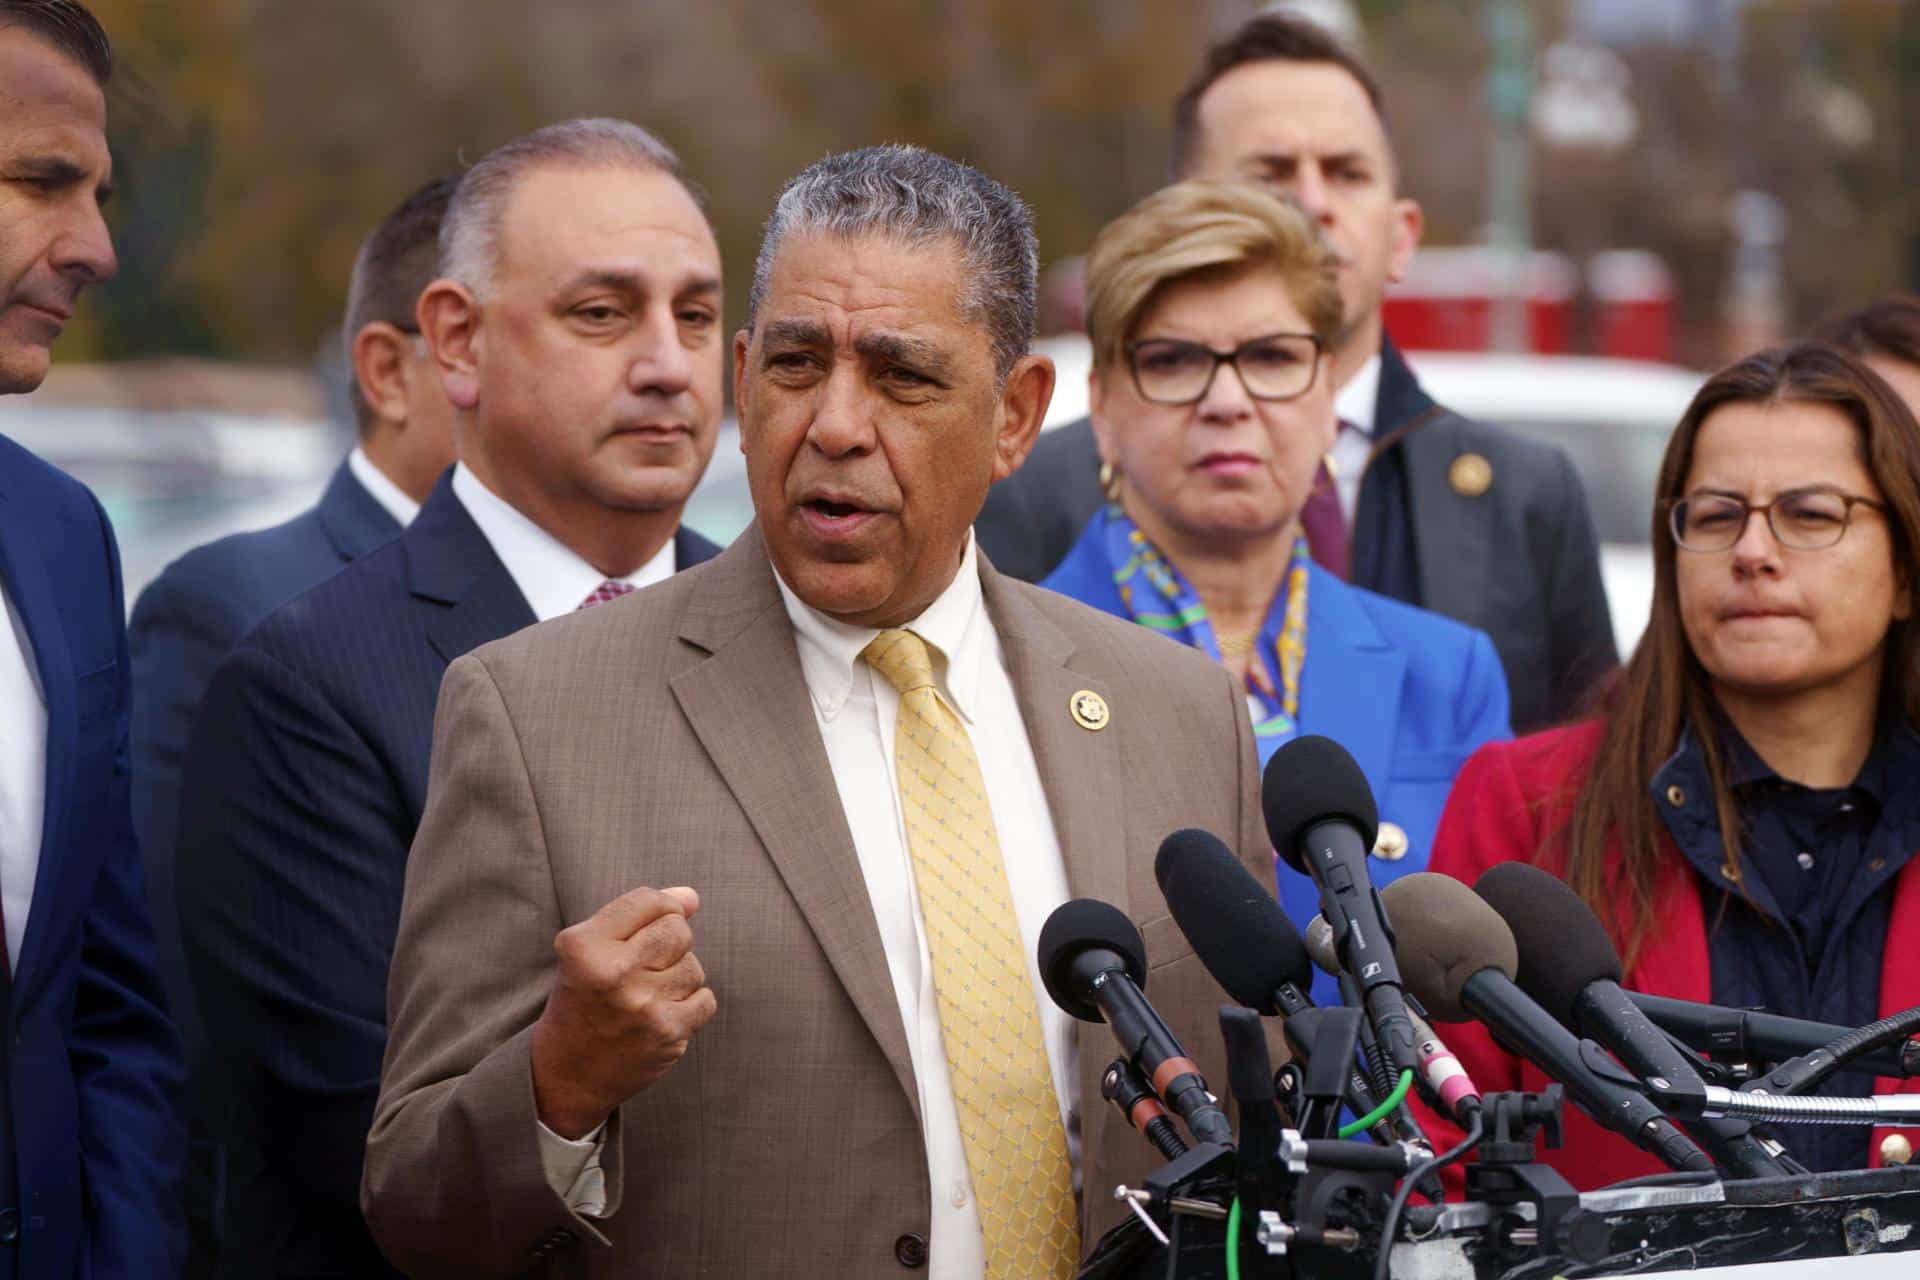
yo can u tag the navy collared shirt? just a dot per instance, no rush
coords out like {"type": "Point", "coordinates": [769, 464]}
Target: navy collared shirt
{"type": "Point", "coordinates": [1799, 928]}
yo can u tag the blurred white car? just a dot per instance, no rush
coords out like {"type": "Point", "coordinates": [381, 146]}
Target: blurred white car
{"type": "Point", "coordinates": [1612, 417]}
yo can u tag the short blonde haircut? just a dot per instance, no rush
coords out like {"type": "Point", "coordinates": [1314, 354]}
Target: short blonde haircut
{"type": "Point", "coordinates": [1195, 228]}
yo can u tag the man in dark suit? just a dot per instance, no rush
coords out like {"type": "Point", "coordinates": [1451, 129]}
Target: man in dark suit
{"type": "Point", "coordinates": [576, 331]}
{"type": "Point", "coordinates": [194, 612]}
{"type": "Point", "coordinates": [1422, 504]}
{"type": "Point", "coordinates": [91, 1143]}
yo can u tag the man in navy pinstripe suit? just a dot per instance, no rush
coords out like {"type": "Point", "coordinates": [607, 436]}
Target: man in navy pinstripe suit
{"type": "Point", "coordinates": [194, 612]}
{"type": "Point", "coordinates": [576, 328]}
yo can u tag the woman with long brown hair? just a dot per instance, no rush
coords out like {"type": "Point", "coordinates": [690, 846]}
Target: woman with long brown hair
{"type": "Point", "coordinates": [1744, 810]}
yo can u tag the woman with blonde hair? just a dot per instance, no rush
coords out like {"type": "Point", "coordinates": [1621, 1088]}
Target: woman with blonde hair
{"type": "Point", "coordinates": [1210, 307]}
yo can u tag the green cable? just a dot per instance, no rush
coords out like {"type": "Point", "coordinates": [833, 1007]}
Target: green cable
{"type": "Point", "coordinates": [1233, 1240]}
{"type": "Point", "coordinates": [1382, 1111]}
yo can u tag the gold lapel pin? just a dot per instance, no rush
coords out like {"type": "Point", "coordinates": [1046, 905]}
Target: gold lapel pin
{"type": "Point", "coordinates": [1089, 710]}
{"type": "Point", "coordinates": [1470, 475]}
{"type": "Point", "coordinates": [1390, 845]}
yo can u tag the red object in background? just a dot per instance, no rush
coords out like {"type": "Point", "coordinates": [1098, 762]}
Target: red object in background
{"type": "Point", "coordinates": [1633, 302]}
{"type": "Point", "coordinates": [1446, 303]}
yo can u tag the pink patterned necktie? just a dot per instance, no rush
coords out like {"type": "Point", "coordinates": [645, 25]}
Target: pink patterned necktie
{"type": "Point", "coordinates": [1325, 525]}
{"type": "Point", "coordinates": [608, 590]}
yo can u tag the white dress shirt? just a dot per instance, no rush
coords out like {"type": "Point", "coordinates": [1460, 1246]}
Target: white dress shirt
{"type": "Point", "coordinates": [550, 574]}
{"type": "Point", "coordinates": [1355, 404]}
{"type": "Point", "coordinates": [23, 775]}
{"type": "Point", "coordinates": [384, 491]}
{"type": "Point", "coordinates": [856, 710]}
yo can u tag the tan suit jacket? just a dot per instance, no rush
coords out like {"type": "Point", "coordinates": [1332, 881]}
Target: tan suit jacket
{"type": "Point", "coordinates": [669, 739]}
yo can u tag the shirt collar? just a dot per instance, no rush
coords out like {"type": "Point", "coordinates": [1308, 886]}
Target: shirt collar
{"type": "Point", "coordinates": [954, 626]}
{"type": "Point", "coordinates": [1356, 402]}
{"type": "Point", "coordinates": [550, 574]}
{"type": "Point", "coordinates": [385, 492]}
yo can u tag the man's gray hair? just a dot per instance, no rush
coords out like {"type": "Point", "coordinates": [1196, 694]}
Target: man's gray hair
{"type": "Point", "coordinates": [918, 197]}
{"type": "Point", "coordinates": [470, 235]}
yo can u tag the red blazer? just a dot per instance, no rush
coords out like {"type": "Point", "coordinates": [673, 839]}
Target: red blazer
{"type": "Point", "coordinates": [1507, 799]}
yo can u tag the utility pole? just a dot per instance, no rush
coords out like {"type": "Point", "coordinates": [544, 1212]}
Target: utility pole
{"type": "Point", "coordinates": [1509, 185]}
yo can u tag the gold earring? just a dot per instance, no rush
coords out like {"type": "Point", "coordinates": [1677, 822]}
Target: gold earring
{"type": "Point", "coordinates": [1110, 479]}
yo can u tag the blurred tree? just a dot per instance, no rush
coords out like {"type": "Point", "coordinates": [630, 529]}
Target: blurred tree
{"type": "Point", "coordinates": [258, 140]}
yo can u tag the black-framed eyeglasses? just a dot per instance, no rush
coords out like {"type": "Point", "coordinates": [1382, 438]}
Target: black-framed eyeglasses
{"type": "Point", "coordinates": [1810, 519]}
{"type": "Point", "coordinates": [1274, 366]}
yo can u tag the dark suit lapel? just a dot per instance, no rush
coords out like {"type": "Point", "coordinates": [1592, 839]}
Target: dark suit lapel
{"type": "Point", "coordinates": [1454, 533]}
{"type": "Point", "coordinates": [31, 591]}
{"type": "Point", "coordinates": [450, 561]}
{"type": "Point", "coordinates": [749, 705]}
{"type": "Point", "coordinates": [352, 518]}
{"type": "Point", "coordinates": [1079, 768]}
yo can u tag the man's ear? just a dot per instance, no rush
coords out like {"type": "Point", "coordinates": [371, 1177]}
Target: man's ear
{"type": "Point", "coordinates": [742, 344]}
{"type": "Point", "coordinates": [1408, 224]}
{"type": "Point", "coordinates": [1023, 407]}
{"type": "Point", "coordinates": [449, 318]}
{"type": "Point", "coordinates": [380, 356]}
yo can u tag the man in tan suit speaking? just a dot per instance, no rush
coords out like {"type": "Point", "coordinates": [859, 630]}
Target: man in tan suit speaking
{"type": "Point", "coordinates": [717, 955]}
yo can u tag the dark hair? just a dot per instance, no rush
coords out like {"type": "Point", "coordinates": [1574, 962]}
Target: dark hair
{"type": "Point", "coordinates": [68, 26]}
{"type": "Point", "coordinates": [395, 265]}
{"type": "Point", "coordinates": [1268, 38]}
{"type": "Point", "coordinates": [1888, 326]}
{"type": "Point", "coordinates": [1613, 847]}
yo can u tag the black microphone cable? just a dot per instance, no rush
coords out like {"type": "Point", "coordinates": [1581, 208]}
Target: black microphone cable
{"type": "Point", "coordinates": [1382, 1264]}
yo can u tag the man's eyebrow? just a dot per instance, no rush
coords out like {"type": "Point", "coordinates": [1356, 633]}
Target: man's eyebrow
{"type": "Point", "coordinates": [629, 281]}
{"type": "Point", "coordinates": [923, 356]}
{"type": "Point", "coordinates": [796, 333]}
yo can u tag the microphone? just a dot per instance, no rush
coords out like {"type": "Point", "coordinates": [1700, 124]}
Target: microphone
{"type": "Point", "coordinates": [1094, 965]}
{"type": "Point", "coordinates": [1462, 958]}
{"type": "Point", "coordinates": [1240, 933]}
{"type": "Point", "coordinates": [1443, 1073]}
{"type": "Point", "coordinates": [1236, 927]}
{"type": "Point", "coordinates": [1321, 818]}
{"type": "Point", "coordinates": [1568, 964]}
{"type": "Point", "coordinates": [1743, 1033]}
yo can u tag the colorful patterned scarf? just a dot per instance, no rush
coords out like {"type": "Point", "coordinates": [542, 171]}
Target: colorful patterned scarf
{"type": "Point", "coordinates": [1156, 596]}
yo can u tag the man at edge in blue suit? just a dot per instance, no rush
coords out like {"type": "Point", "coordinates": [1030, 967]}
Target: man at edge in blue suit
{"type": "Point", "coordinates": [91, 1141]}
{"type": "Point", "coordinates": [194, 612]}
{"type": "Point", "coordinates": [576, 330]}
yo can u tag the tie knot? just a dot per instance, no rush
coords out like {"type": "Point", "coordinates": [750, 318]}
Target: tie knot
{"type": "Point", "coordinates": [903, 658]}
{"type": "Point", "coordinates": [608, 590]}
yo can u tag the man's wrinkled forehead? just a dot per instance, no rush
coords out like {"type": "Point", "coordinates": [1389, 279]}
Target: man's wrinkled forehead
{"type": "Point", "coordinates": [50, 106]}
{"type": "Point", "coordinates": [562, 222]}
{"type": "Point", "coordinates": [1275, 108]}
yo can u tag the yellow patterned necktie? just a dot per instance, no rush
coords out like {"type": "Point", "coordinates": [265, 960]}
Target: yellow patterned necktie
{"type": "Point", "coordinates": [1002, 1085]}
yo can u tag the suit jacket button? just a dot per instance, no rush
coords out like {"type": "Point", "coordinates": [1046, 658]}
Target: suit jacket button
{"type": "Point", "coordinates": [910, 1251]}
{"type": "Point", "coordinates": [10, 1225]}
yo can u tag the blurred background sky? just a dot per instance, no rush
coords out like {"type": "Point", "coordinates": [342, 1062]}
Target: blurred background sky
{"type": "Point", "coordinates": [1670, 182]}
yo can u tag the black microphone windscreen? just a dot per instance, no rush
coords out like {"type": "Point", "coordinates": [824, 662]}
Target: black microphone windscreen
{"type": "Point", "coordinates": [1236, 927]}
{"type": "Point", "coordinates": [1081, 925]}
{"type": "Point", "coordinates": [1443, 935]}
{"type": "Point", "coordinates": [1563, 947]}
{"type": "Point", "coordinates": [1310, 780]}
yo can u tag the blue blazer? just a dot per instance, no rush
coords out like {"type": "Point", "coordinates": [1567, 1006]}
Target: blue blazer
{"type": "Point", "coordinates": [1409, 693]}
{"type": "Point", "coordinates": [91, 1140]}
{"type": "Point", "coordinates": [304, 781]}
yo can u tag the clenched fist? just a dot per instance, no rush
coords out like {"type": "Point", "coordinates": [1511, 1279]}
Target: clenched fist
{"type": "Point", "coordinates": [626, 1002]}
